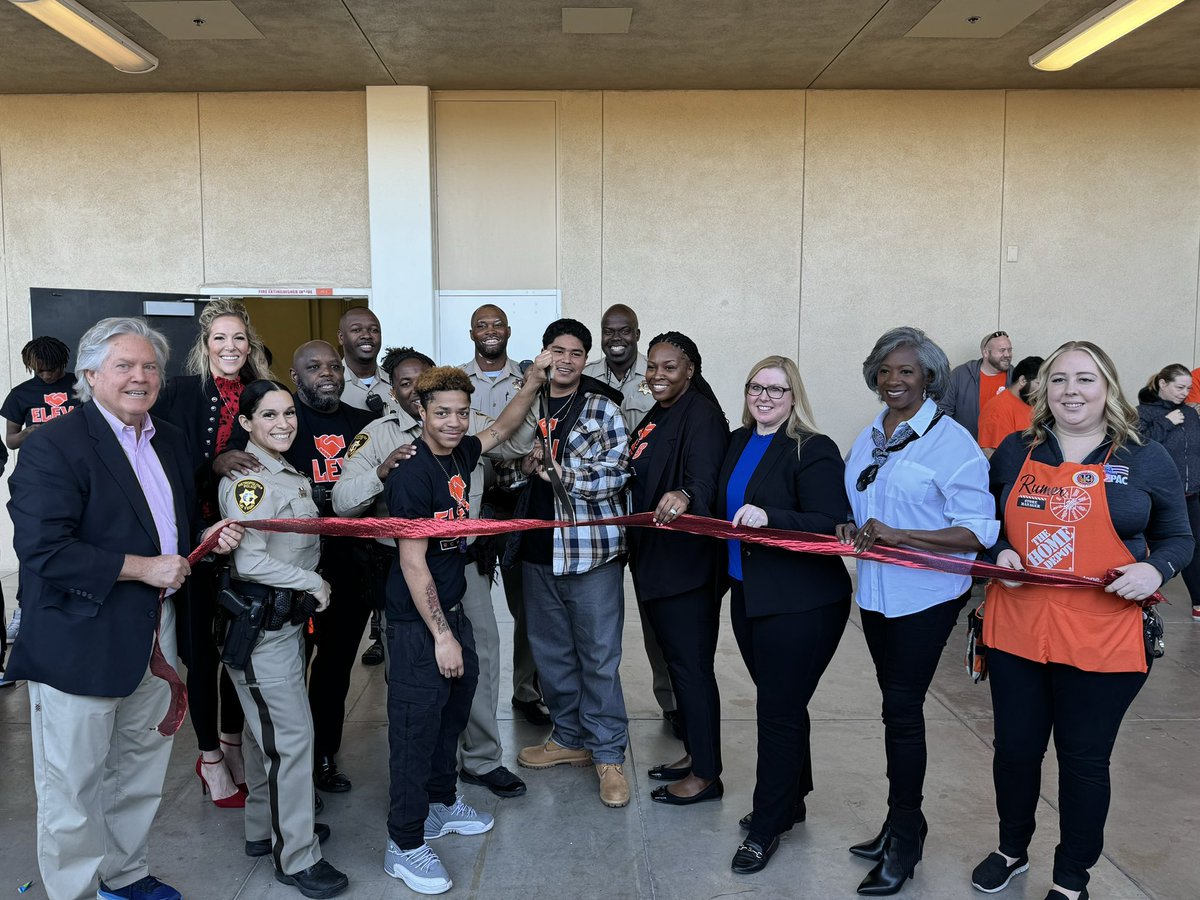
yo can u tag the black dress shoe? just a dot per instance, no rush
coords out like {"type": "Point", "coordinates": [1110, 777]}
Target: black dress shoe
{"type": "Point", "coordinates": [318, 804]}
{"type": "Point", "coordinates": [263, 847]}
{"type": "Point", "coordinates": [666, 773]}
{"type": "Point", "coordinates": [328, 778]}
{"type": "Point", "coordinates": [675, 720]}
{"type": "Point", "coordinates": [534, 711]}
{"type": "Point", "coordinates": [799, 816]}
{"type": "Point", "coordinates": [319, 880]}
{"type": "Point", "coordinates": [751, 856]}
{"type": "Point", "coordinates": [499, 781]}
{"type": "Point", "coordinates": [373, 655]}
{"type": "Point", "coordinates": [714, 791]}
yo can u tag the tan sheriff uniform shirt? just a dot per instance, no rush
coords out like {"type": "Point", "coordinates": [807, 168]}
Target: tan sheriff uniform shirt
{"type": "Point", "coordinates": [637, 397]}
{"type": "Point", "coordinates": [355, 393]}
{"type": "Point", "coordinates": [492, 394]}
{"type": "Point", "coordinates": [277, 492]}
{"type": "Point", "coordinates": [359, 491]}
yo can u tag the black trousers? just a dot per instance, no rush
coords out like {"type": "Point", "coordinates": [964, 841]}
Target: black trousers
{"type": "Point", "coordinates": [1084, 710]}
{"type": "Point", "coordinates": [426, 714]}
{"type": "Point", "coordinates": [336, 635]}
{"type": "Point", "coordinates": [786, 655]}
{"type": "Point", "coordinates": [1191, 572]}
{"type": "Point", "coordinates": [906, 651]}
{"type": "Point", "coordinates": [686, 627]}
{"type": "Point", "coordinates": [213, 702]}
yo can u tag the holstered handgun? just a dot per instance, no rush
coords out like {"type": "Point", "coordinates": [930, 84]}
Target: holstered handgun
{"type": "Point", "coordinates": [245, 625]}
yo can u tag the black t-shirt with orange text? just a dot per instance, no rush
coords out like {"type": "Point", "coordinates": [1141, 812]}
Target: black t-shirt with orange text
{"type": "Point", "coordinates": [432, 487]}
{"type": "Point", "coordinates": [34, 402]}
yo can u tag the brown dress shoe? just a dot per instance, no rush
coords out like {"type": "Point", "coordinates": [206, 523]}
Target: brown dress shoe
{"type": "Point", "coordinates": [614, 789]}
{"type": "Point", "coordinates": [549, 754]}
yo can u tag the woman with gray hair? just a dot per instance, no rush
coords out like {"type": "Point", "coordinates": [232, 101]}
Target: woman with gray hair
{"type": "Point", "coordinates": [915, 478]}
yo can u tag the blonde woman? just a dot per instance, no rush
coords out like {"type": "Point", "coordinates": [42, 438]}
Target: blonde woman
{"type": "Point", "coordinates": [788, 609]}
{"type": "Point", "coordinates": [1080, 492]}
{"type": "Point", "coordinates": [225, 357]}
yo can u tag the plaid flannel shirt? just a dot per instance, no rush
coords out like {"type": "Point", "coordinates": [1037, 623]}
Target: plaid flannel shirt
{"type": "Point", "coordinates": [594, 473]}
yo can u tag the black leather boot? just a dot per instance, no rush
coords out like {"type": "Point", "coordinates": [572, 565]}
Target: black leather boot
{"type": "Point", "coordinates": [902, 849]}
{"type": "Point", "coordinates": [327, 777]}
{"type": "Point", "coordinates": [873, 849]}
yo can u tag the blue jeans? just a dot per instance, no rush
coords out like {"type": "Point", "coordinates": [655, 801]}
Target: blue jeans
{"type": "Point", "coordinates": [575, 624]}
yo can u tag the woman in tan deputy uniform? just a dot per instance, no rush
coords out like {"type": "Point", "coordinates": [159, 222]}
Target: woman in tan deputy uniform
{"type": "Point", "coordinates": [278, 573]}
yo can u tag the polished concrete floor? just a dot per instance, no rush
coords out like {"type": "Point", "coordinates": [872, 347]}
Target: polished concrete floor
{"type": "Point", "coordinates": [559, 841]}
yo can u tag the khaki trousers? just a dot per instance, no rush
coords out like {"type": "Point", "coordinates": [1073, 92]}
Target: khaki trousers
{"type": "Point", "coordinates": [98, 770]}
{"type": "Point", "coordinates": [278, 748]}
{"type": "Point", "coordinates": [480, 748]}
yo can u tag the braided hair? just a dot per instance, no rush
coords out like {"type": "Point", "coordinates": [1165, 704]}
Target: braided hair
{"type": "Point", "coordinates": [45, 353]}
{"type": "Point", "coordinates": [393, 356]}
{"type": "Point", "coordinates": [688, 348]}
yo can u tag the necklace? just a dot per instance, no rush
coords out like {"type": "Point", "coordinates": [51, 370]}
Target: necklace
{"type": "Point", "coordinates": [558, 412]}
{"type": "Point", "coordinates": [453, 465]}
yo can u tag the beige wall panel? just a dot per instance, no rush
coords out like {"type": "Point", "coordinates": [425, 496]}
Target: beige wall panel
{"type": "Point", "coordinates": [702, 214]}
{"type": "Point", "coordinates": [581, 203]}
{"type": "Point", "coordinates": [100, 192]}
{"type": "Point", "coordinates": [285, 189]}
{"type": "Point", "coordinates": [497, 193]}
{"type": "Point", "coordinates": [901, 225]}
{"type": "Point", "coordinates": [1102, 200]}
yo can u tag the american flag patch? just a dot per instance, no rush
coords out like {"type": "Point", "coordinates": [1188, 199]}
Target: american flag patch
{"type": "Point", "coordinates": [1116, 474]}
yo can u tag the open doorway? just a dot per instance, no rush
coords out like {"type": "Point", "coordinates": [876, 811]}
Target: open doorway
{"type": "Point", "coordinates": [284, 323]}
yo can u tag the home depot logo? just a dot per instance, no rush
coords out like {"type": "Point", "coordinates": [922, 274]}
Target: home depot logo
{"type": "Point", "coordinates": [1051, 547]}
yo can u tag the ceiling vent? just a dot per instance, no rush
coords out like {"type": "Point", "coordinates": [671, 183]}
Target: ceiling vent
{"type": "Point", "coordinates": [974, 18]}
{"type": "Point", "coordinates": [197, 20]}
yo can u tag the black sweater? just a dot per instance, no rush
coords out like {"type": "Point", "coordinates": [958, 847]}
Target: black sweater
{"type": "Point", "coordinates": [1181, 441]}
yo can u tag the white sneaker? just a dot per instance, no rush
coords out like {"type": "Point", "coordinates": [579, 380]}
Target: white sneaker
{"type": "Point", "coordinates": [461, 818]}
{"type": "Point", "coordinates": [420, 869]}
{"type": "Point", "coordinates": [14, 626]}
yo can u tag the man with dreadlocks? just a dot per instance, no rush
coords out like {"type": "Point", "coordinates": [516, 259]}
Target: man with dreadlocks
{"type": "Point", "coordinates": [675, 456]}
{"type": "Point", "coordinates": [48, 394]}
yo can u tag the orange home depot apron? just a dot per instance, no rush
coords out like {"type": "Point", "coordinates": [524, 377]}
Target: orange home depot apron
{"type": "Point", "coordinates": [1057, 520]}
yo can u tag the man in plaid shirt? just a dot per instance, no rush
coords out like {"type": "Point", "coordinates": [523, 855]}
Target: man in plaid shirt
{"type": "Point", "coordinates": [574, 595]}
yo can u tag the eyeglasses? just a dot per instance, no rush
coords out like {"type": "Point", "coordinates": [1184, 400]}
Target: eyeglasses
{"type": "Point", "coordinates": [774, 391]}
{"type": "Point", "coordinates": [994, 335]}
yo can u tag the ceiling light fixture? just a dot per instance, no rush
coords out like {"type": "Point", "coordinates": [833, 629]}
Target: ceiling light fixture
{"type": "Point", "coordinates": [91, 33]}
{"type": "Point", "coordinates": [1096, 32]}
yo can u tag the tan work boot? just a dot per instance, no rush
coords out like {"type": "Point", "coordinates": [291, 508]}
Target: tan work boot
{"type": "Point", "coordinates": [549, 754]}
{"type": "Point", "coordinates": [614, 789]}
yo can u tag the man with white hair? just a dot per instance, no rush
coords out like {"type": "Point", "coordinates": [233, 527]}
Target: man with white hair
{"type": "Point", "coordinates": [104, 514]}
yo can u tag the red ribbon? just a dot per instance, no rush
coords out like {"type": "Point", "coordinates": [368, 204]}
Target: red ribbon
{"type": "Point", "coordinates": [799, 541]}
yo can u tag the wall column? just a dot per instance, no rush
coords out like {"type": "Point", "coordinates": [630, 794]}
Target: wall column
{"type": "Point", "coordinates": [400, 192]}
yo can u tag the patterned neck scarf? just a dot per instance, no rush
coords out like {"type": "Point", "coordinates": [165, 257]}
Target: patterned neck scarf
{"type": "Point", "coordinates": [883, 446]}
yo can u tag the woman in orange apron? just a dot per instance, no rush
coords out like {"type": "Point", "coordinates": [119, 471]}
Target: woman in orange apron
{"type": "Point", "coordinates": [1080, 494]}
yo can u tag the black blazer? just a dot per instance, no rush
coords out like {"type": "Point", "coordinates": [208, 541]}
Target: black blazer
{"type": "Point", "coordinates": [799, 493]}
{"type": "Point", "coordinates": [686, 452]}
{"type": "Point", "coordinates": [77, 510]}
{"type": "Point", "coordinates": [193, 405]}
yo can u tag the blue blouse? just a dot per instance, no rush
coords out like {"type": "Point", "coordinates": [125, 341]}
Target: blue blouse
{"type": "Point", "coordinates": [735, 492]}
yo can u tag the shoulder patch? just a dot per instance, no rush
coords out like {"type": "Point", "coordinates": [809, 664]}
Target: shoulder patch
{"type": "Point", "coordinates": [248, 493]}
{"type": "Point", "coordinates": [360, 441]}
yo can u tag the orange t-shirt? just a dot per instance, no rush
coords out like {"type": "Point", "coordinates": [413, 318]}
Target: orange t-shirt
{"type": "Point", "coordinates": [990, 386]}
{"type": "Point", "coordinates": [1001, 418]}
{"type": "Point", "coordinates": [1194, 394]}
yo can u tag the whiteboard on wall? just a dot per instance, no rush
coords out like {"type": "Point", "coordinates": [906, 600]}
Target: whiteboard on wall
{"type": "Point", "coordinates": [529, 312]}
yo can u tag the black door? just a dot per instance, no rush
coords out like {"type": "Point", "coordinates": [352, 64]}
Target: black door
{"type": "Point", "coordinates": [67, 314]}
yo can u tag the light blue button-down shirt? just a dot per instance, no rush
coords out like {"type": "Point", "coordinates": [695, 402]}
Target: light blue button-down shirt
{"type": "Point", "coordinates": [151, 476]}
{"type": "Point", "coordinates": [938, 481]}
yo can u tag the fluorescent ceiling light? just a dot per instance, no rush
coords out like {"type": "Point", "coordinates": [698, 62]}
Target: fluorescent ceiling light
{"type": "Point", "coordinates": [1097, 32]}
{"type": "Point", "coordinates": [91, 33]}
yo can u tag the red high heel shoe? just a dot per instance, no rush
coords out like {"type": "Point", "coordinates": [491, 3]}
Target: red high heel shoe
{"type": "Point", "coordinates": [233, 801]}
{"type": "Point", "coordinates": [242, 783]}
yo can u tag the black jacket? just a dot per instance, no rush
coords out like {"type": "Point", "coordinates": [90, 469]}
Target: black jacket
{"type": "Point", "coordinates": [802, 492]}
{"type": "Point", "coordinates": [1181, 441]}
{"type": "Point", "coordinates": [687, 452]}
{"type": "Point", "coordinates": [192, 404]}
{"type": "Point", "coordinates": [77, 510]}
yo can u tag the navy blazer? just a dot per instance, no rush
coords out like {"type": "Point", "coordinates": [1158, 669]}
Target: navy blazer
{"type": "Point", "coordinates": [687, 451]}
{"type": "Point", "coordinates": [799, 492]}
{"type": "Point", "coordinates": [77, 510]}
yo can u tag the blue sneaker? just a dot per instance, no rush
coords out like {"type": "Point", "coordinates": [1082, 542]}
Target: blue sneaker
{"type": "Point", "coordinates": [149, 888]}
